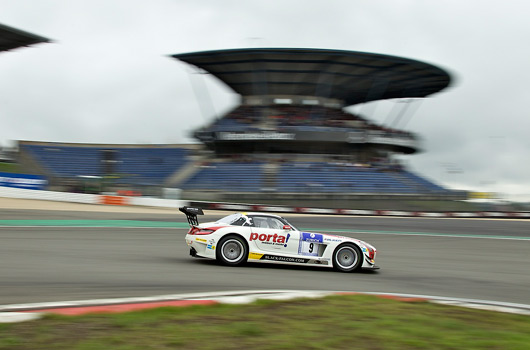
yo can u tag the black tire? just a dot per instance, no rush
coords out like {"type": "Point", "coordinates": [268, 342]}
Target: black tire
{"type": "Point", "coordinates": [347, 258]}
{"type": "Point", "coordinates": [232, 250]}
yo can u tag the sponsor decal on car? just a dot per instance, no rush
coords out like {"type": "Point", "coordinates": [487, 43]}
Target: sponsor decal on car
{"type": "Point", "coordinates": [312, 237]}
{"type": "Point", "coordinates": [274, 239]}
{"type": "Point", "coordinates": [332, 239]}
{"type": "Point", "coordinates": [284, 259]}
{"type": "Point", "coordinates": [211, 244]}
{"type": "Point", "coordinates": [201, 240]}
{"type": "Point", "coordinates": [255, 256]}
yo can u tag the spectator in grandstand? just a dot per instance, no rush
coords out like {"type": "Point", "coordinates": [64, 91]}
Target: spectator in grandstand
{"type": "Point", "coordinates": [279, 117]}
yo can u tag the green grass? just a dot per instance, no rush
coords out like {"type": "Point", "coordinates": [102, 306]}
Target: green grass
{"type": "Point", "coordinates": [338, 322]}
{"type": "Point", "coordinates": [9, 167]}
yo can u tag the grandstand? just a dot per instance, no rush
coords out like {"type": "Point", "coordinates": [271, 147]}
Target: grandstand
{"type": "Point", "coordinates": [291, 137]}
{"type": "Point", "coordinates": [69, 165]}
{"type": "Point", "coordinates": [289, 141]}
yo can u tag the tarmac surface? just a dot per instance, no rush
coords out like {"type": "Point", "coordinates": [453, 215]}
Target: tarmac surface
{"type": "Point", "coordinates": [460, 258]}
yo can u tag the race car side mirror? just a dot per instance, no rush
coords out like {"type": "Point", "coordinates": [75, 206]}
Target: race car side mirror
{"type": "Point", "coordinates": [287, 227]}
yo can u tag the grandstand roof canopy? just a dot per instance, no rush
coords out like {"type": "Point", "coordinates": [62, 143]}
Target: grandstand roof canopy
{"type": "Point", "coordinates": [11, 38]}
{"type": "Point", "coordinates": [349, 76]}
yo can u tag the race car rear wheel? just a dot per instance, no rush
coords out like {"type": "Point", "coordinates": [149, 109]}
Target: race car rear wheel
{"type": "Point", "coordinates": [232, 250]}
{"type": "Point", "coordinates": [347, 258]}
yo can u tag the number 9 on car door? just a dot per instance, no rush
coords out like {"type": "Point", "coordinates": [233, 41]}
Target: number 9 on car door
{"type": "Point", "coordinates": [309, 243]}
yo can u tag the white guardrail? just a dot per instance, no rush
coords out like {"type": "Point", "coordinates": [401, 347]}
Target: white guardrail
{"type": "Point", "coordinates": [174, 203]}
{"type": "Point", "coordinates": [10, 192]}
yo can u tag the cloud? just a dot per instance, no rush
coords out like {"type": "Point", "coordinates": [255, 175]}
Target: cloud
{"type": "Point", "coordinates": [107, 76]}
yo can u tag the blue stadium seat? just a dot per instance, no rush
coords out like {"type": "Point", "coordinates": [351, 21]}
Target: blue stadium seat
{"type": "Point", "coordinates": [134, 165]}
{"type": "Point", "coordinates": [151, 166]}
{"type": "Point", "coordinates": [324, 177]}
{"type": "Point", "coordinates": [228, 176]}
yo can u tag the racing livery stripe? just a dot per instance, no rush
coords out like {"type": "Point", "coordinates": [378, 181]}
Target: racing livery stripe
{"type": "Point", "coordinates": [330, 232]}
{"type": "Point", "coordinates": [259, 256]}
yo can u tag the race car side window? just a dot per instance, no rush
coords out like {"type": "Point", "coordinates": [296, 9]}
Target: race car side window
{"type": "Point", "coordinates": [275, 223]}
{"type": "Point", "coordinates": [267, 222]}
{"type": "Point", "coordinates": [259, 222]}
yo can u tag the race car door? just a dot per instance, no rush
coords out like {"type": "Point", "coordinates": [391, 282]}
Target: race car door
{"type": "Point", "coordinates": [271, 234]}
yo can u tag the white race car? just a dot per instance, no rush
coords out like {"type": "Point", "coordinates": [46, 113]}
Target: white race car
{"type": "Point", "coordinates": [259, 237]}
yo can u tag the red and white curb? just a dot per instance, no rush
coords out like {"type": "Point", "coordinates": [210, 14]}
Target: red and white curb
{"type": "Point", "coordinates": [27, 312]}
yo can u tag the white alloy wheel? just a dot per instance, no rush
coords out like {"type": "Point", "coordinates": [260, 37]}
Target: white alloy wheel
{"type": "Point", "coordinates": [232, 250]}
{"type": "Point", "coordinates": [347, 257]}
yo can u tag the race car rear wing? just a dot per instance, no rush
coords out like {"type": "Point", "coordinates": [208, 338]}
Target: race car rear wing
{"type": "Point", "coordinates": [191, 214]}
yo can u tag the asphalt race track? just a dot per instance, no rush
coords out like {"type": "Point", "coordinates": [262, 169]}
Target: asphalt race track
{"type": "Point", "coordinates": [478, 259]}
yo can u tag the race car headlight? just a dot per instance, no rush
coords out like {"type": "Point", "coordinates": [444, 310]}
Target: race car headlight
{"type": "Point", "coordinates": [371, 251]}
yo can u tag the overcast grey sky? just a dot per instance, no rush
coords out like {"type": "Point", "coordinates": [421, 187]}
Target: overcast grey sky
{"type": "Point", "coordinates": [107, 77]}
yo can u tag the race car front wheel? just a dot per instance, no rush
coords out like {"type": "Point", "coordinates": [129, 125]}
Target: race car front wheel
{"type": "Point", "coordinates": [347, 258]}
{"type": "Point", "coordinates": [232, 250]}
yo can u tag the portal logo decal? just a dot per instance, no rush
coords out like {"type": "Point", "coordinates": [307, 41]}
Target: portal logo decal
{"type": "Point", "coordinates": [287, 240]}
{"type": "Point", "coordinates": [274, 239]}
